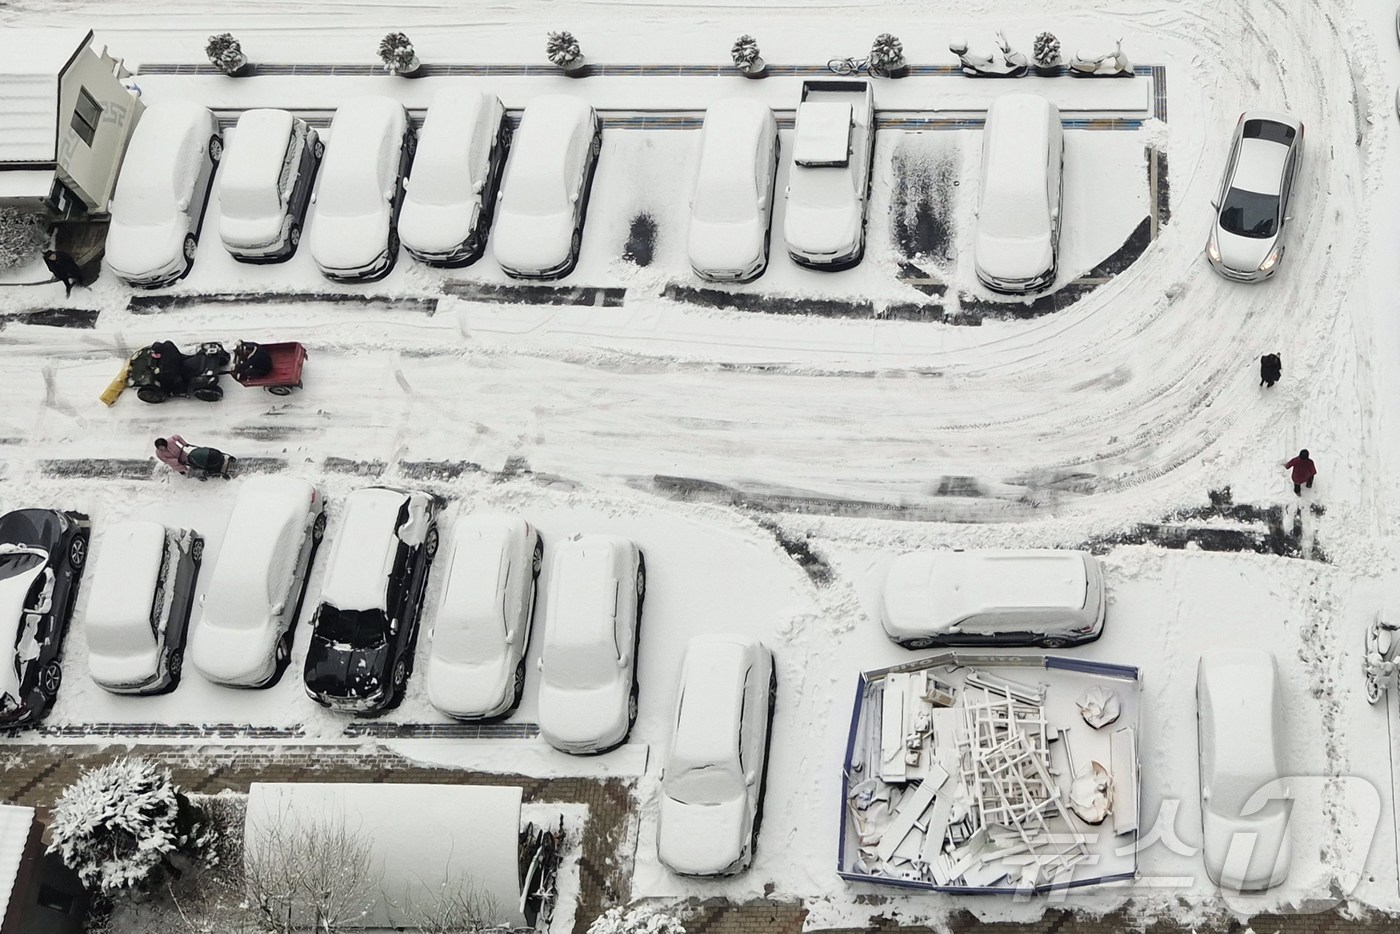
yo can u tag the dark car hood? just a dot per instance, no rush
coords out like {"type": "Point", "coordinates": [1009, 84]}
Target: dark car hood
{"type": "Point", "coordinates": [42, 528]}
{"type": "Point", "coordinates": [335, 670]}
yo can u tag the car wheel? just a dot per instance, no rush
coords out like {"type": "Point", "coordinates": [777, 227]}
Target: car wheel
{"type": "Point", "coordinates": [641, 579]}
{"type": "Point", "coordinates": [294, 236]}
{"type": "Point", "coordinates": [174, 665]}
{"type": "Point", "coordinates": [216, 149]}
{"type": "Point", "coordinates": [917, 643]}
{"type": "Point", "coordinates": [632, 707]}
{"type": "Point", "coordinates": [191, 244]}
{"type": "Point", "coordinates": [393, 245]}
{"type": "Point", "coordinates": [575, 247]}
{"type": "Point", "coordinates": [197, 550]}
{"type": "Point", "coordinates": [519, 682]}
{"type": "Point", "coordinates": [537, 557]}
{"type": "Point", "coordinates": [597, 145]}
{"type": "Point", "coordinates": [209, 393]}
{"type": "Point", "coordinates": [152, 394]}
{"type": "Point", "coordinates": [430, 543]}
{"type": "Point", "coordinates": [50, 678]}
{"type": "Point", "coordinates": [77, 553]}
{"type": "Point", "coordinates": [1054, 642]}
{"type": "Point", "coordinates": [282, 654]}
{"type": "Point", "coordinates": [318, 150]}
{"type": "Point", "coordinates": [318, 528]}
{"type": "Point", "coordinates": [400, 676]}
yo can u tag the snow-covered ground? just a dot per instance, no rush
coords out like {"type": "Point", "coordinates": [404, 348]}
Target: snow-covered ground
{"type": "Point", "coordinates": [1130, 404]}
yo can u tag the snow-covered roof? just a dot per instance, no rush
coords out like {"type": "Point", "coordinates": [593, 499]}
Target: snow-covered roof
{"type": "Point", "coordinates": [25, 183]}
{"type": "Point", "coordinates": [421, 837]}
{"type": "Point", "coordinates": [364, 550]}
{"type": "Point", "coordinates": [162, 162]}
{"type": "Point", "coordinates": [256, 151]}
{"type": "Point", "coordinates": [546, 126]}
{"type": "Point", "coordinates": [712, 685]}
{"type": "Point", "coordinates": [479, 557]}
{"type": "Point", "coordinates": [124, 581]}
{"type": "Point", "coordinates": [823, 135]}
{"type": "Point", "coordinates": [259, 549]}
{"type": "Point", "coordinates": [15, 823]}
{"type": "Point", "coordinates": [1238, 691]}
{"type": "Point", "coordinates": [442, 166]}
{"type": "Point", "coordinates": [29, 72]}
{"type": "Point", "coordinates": [584, 591]}
{"type": "Point", "coordinates": [1260, 166]}
{"type": "Point", "coordinates": [1014, 162]}
{"type": "Point", "coordinates": [968, 581]}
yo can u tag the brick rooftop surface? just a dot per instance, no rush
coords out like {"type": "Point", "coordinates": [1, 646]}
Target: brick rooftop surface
{"type": "Point", "coordinates": [37, 775]}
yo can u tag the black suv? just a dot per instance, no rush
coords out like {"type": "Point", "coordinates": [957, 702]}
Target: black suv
{"type": "Point", "coordinates": [366, 624]}
{"type": "Point", "coordinates": [42, 553]}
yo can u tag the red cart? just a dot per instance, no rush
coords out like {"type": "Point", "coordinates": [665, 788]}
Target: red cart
{"type": "Point", "coordinates": [287, 360]}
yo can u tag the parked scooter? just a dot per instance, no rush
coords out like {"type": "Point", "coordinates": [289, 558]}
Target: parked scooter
{"type": "Point", "coordinates": [1008, 64]}
{"type": "Point", "coordinates": [1380, 659]}
{"type": "Point", "coordinates": [1094, 64]}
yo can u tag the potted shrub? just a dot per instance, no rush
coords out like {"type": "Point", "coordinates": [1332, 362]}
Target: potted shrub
{"type": "Point", "coordinates": [226, 54]}
{"type": "Point", "coordinates": [1046, 54]}
{"type": "Point", "coordinates": [397, 54]}
{"type": "Point", "coordinates": [887, 57]}
{"type": "Point", "coordinates": [563, 50]}
{"type": "Point", "coordinates": [747, 59]}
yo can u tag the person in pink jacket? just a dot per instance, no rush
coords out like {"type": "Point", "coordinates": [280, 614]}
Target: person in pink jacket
{"type": "Point", "coordinates": [173, 452]}
{"type": "Point", "coordinates": [1303, 471]}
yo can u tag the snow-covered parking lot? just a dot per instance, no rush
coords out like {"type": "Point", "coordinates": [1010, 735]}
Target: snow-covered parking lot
{"type": "Point", "coordinates": [773, 457]}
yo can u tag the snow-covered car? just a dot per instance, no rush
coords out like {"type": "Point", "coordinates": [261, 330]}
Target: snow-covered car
{"type": "Point", "coordinates": [243, 637]}
{"type": "Point", "coordinates": [162, 193]}
{"type": "Point", "coordinates": [366, 624]}
{"type": "Point", "coordinates": [592, 631]}
{"type": "Point", "coordinates": [476, 662]}
{"type": "Point", "coordinates": [1251, 211]}
{"type": "Point", "coordinates": [265, 186]}
{"type": "Point", "coordinates": [42, 553]}
{"type": "Point", "coordinates": [1018, 214]}
{"type": "Point", "coordinates": [353, 236]}
{"type": "Point", "coordinates": [139, 613]}
{"type": "Point", "coordinates": [1239, 722]}
{"type": "Point", "coordinates": [544, 199]}
{"type": "Point", "coordinates": [731, 207]}
{"type": "Point", "coordinates": [1044, 597]}
{"type": "Point", "coordinates": [713, 778]}
{"type": "Point", "coordinates": [829, 184]}
{"type": "Point", "coordinates": [456, 177]}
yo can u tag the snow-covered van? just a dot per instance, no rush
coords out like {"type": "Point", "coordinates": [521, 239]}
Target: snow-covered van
{"type": "Point", "coordinates": [139, 611]}
{"type": "Point", "coordinates": [731, 207]}
{"type": "Point", "coordinates": [265, 186]}
{"type": "Point", "coordinates": [829, 184]}
{"type": "Point", "coordinates": [1042, 597]}
{"type": "Point", "coordinates": [456, 174]}
{"type": "Point", "coordinates": [1018, 217]}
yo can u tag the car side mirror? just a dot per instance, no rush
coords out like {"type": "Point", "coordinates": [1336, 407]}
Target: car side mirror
{"type": "Point", "coordinates": [184, 203]}
{"type": "Point", "coordinates": [750, 776]}
{"type": "Point", "coordinates": [313, 197]}
{"type": "Point", "coordinates": [622, 662]}
{"type": "Point", "coordinates": [201, 599]}
{"type": "Point", "coordinates": [1205, 792]}
{"type": "Point", "coordinates": [1216, 206]}
{"type": "Point", "coordinates": [573, 198]}
{"type": "Point", "coordinates": [389, 195]}
{"type": "Point", "coordinates": [539, 664]}
{"type": "Point", "coordinates": [787, 191]}
{"type": "Point", "coordinates": [477, 186]}
{"type": "Point", "coordinates": [1287, 218]}
{"type": "Point", "coordinates": [763, 201]}
{"type": "Point", "coordinates": [393, 626]}
{"type": "Point", "coordinates": [278, 607]}
{"type": "Point", "coordinates": [510, 635]}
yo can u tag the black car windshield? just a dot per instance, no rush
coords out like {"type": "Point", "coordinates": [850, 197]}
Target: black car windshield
{"type": "Point", "coordinates": [1249, 214]}
{"type": "Point", "coordinates": [17, 561]}
{"type": "Point", "coordinates": [359, 629]}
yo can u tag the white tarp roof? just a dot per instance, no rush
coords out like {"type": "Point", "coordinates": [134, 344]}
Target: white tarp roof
{"type": "Point", "coordinates": [29, 72]}
{"type": "Point", "coordinates": [15, 822]}
{"type": "Point", "coordinates": [421, 837]}
{"type": "Point", "coordinates": [25, 183]}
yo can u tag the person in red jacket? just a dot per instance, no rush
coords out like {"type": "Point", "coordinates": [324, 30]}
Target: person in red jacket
{"type": "Point", "coordinates": [1303, 471]}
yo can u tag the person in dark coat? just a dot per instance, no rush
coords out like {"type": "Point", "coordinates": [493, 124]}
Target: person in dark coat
{"type": "Point", "coordinates": [64, 268]}
{"type": "Point", "coordinates": [168, 363]}
{"type": "Point", "coordinates": [251, 361]}
{"type": "Point", "coordinates": [1270, 369]}
{"type": "Point", "coordinates": [1303, 471]}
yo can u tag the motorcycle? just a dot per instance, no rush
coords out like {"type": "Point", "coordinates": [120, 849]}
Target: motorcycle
{"type": "Point", "coordinates": [1379, 661]}
{"type": "Point", "coordinates": [977, 65]}
{"type": "Point", "coordinates": [1101, 64]}
{"type": "Point", "coordinates": [199, 374]}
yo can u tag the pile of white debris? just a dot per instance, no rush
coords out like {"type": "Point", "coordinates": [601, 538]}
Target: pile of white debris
{"type": "Point", "coordinates": [992, 773]}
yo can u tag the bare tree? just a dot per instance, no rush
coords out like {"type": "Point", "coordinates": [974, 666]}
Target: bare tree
{"type": "Point", "coordinates": [453, 907]}
{"type": "Point", "coordinates": [310, 876]}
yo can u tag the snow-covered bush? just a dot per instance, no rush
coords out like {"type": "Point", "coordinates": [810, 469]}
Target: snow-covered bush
{"type": "Point", "coordinates": [22, 237]}
{"type": "Point", "coordinates": [886, 53]}
{"type": "Point", "coordinates": [745, 52]}
{"type": "Point", "coordinates": [225, 52]}
{"type": "Point", "coordinates": [642, 920]}
{"type": "Point", "coordinates": [563, 49]}
{"type": "Point", "coordinates": [118, 824]}
{"type": "Point", "coordinates": [397, 53]}
{"type": "Point", "coordinates": [1046, 50]}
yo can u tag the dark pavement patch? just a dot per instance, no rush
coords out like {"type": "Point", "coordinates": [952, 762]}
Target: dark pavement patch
{"type": "Point", "coordinates": [922, 204]}
{"type": "Point", "coordinates": [534, 294]}
{"type": "Point", "coordinates": [769, 304]}
{"type": "Point", "coordinates": [53, 317]}
{"type": "Point", "coordinates": [641, 241]}
{"type": "Point", "coordinates": [380, 730]}
{"type": "Point", "coordinates": [102, 468]}
{"type": "Point", "coordinates": [800, 550]}
{"type": "Point", "coordinates": [357, 468]}
{"type": "Point", "coordinates": [152, 304]}
{"type": "Point", "coordinates": [437, 470]}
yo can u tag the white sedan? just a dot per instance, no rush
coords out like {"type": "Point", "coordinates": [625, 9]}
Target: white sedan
{"type": "Point", "coordinates": [360, 192]}
{"type": "Point", "coordinates": [712, 782]}
{"type": "Point", "coordinates": [1239, 723]}
{"type": "Point", "coordinates": [476, 663]}
{"type": "Point", "coordinates": [592, 629]}
{"type": "Point", "coordinates": [162, 192]}
{"type": "Point", "coordinates": [732, 205]}
{"type": "Point", "coordinates": [244, 634]}
{"type": "Point", "coordinates": [456, 176]}
{"type": "Point", "coordinates": [544, 200]}
{"type": "Point", "coordinates": [1256, 194]}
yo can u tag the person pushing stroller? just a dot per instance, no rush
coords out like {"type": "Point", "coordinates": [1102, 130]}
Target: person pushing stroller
{"type": "Point", "coordinates": [194, 460]}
